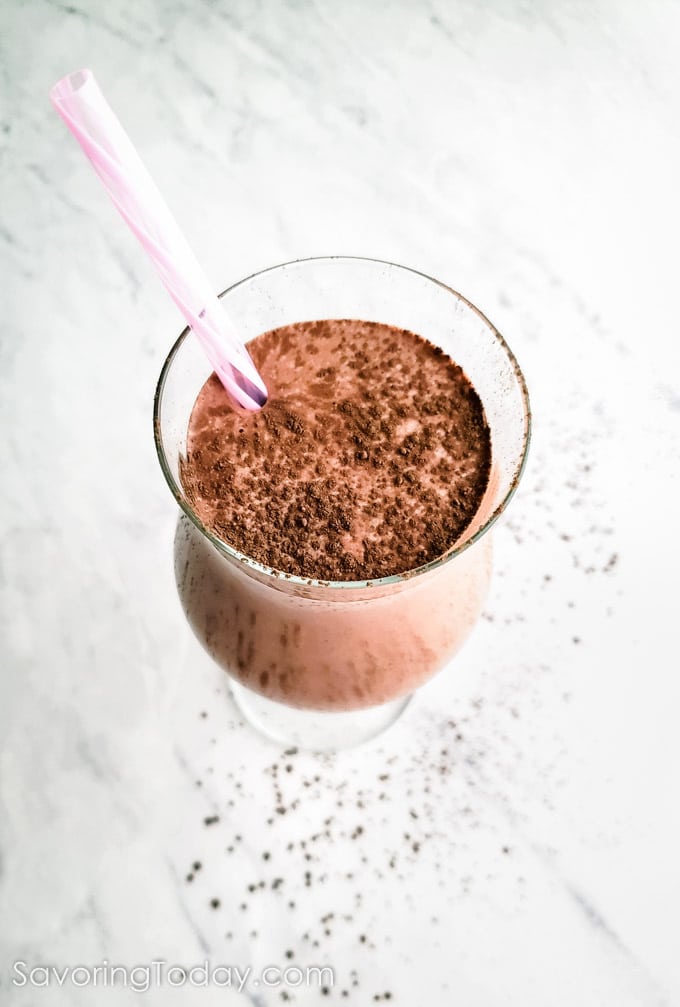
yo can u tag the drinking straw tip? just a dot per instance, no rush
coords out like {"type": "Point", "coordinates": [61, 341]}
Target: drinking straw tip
{"type": "Point", "coordinates": [258, 395]}
{"type": "Point", "coordinates": [70, 83]}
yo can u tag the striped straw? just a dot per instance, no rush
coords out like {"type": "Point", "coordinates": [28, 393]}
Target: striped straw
{"type": "Point", "coordinates": [79, 101]}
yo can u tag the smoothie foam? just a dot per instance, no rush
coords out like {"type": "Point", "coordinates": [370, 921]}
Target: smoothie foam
{"type": "Point", "coordinates": [370, 458]}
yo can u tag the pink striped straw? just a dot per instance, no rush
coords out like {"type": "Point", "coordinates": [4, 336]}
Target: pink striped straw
{"type": "Point", "coordinates": [81, 104]}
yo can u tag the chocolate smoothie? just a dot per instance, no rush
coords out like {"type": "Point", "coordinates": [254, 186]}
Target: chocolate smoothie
{"type": "Point", "coordinates": [370, 459]}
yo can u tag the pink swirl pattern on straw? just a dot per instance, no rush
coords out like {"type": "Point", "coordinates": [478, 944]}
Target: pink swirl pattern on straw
{"type": "Point", "coordinates": [81, 104]}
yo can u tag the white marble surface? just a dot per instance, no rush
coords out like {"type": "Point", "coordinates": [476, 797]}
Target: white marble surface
{"type": "Point", "coordinates": [526, 153]}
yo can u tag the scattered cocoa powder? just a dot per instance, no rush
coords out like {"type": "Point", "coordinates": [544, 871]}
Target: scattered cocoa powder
{"type": "Point", "coordinates": [369, 460]}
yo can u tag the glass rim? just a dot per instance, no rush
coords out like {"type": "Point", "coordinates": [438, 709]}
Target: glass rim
{"type": "Point", "coordinates": [378, 582]}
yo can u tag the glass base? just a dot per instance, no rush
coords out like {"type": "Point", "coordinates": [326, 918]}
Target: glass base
{"type": "Point", "coordinates": [315, 730]}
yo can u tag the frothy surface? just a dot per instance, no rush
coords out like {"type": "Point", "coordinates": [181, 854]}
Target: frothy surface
{"type": "Point", "coordinates": [370, 458]}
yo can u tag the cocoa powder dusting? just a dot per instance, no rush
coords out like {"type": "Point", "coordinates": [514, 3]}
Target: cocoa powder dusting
{"type": "Point", "coordinates": [368, 461]}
